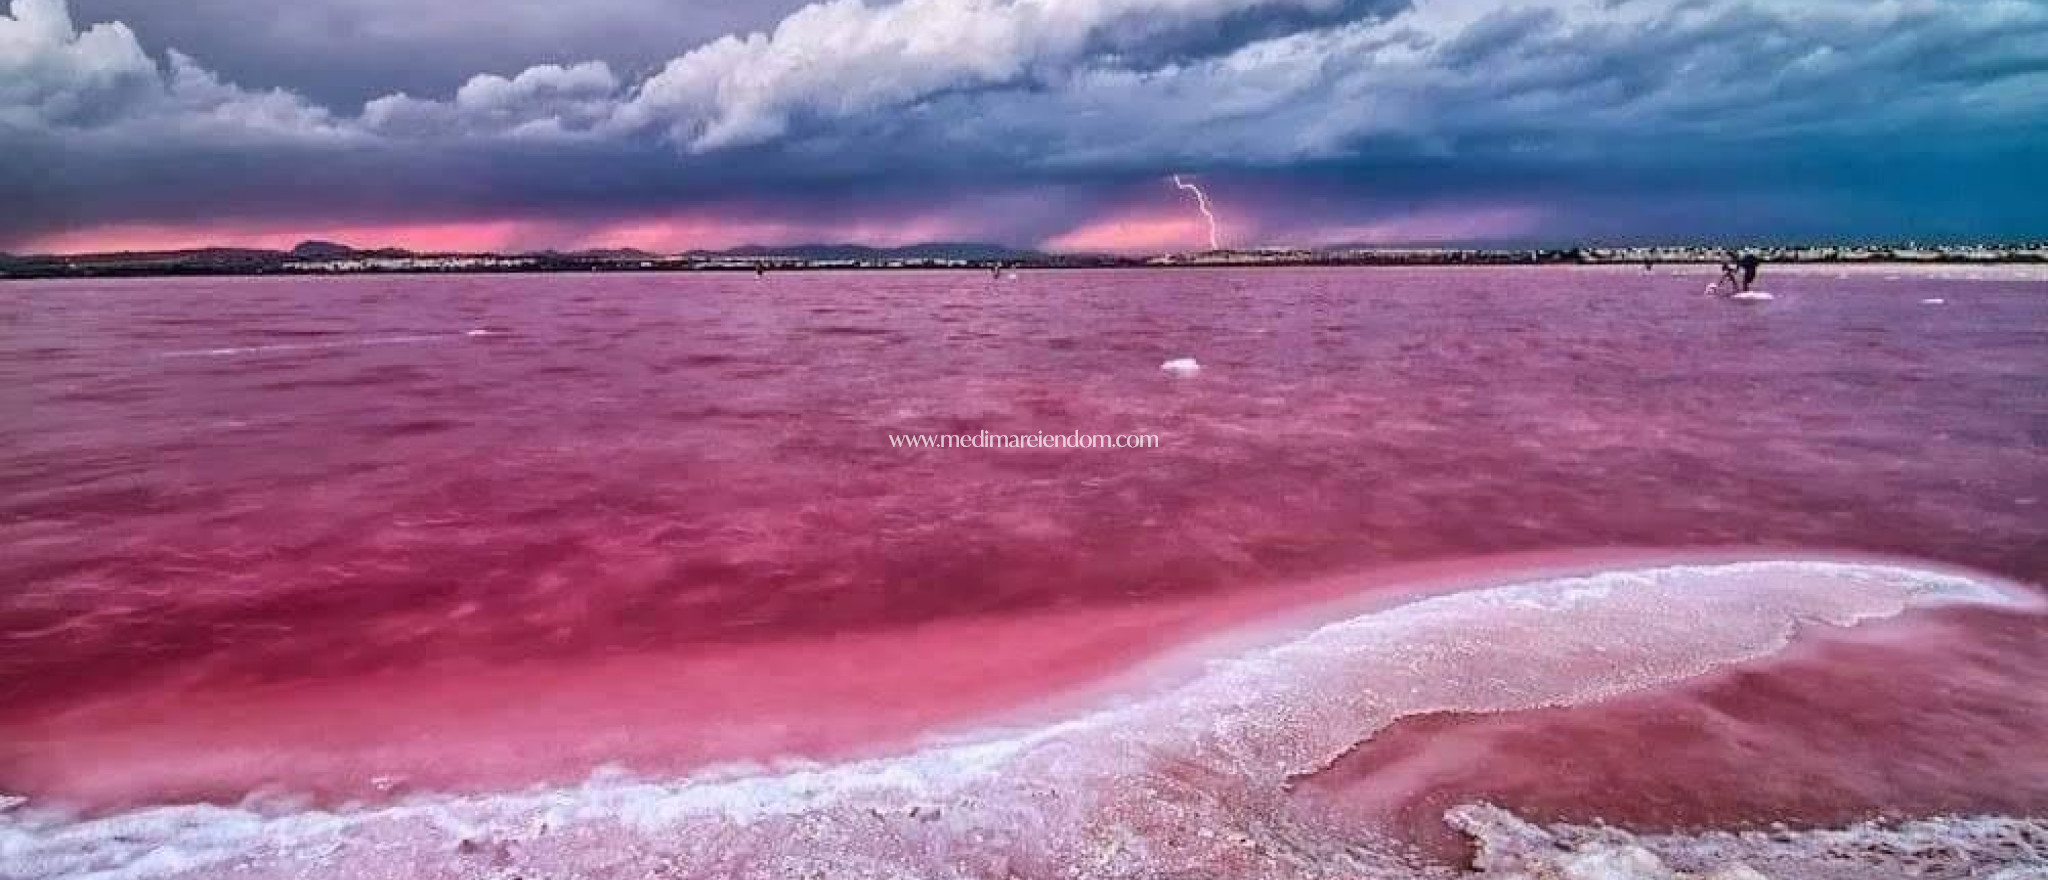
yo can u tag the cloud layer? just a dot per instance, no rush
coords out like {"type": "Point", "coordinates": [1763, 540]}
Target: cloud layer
{"type": "Point", "coordinates": [1036, 121]}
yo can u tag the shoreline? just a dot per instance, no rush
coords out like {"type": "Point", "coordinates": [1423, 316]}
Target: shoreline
{"type": "Point", "coordinates": [72, 271]}
{"type": "Point", "coordinates": [368, 736]}
{"type": "Point", "coordinates": [1191, 775]}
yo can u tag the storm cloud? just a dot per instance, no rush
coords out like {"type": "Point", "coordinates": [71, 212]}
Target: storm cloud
{"type": "Point", "coordinates": [1041, 122]}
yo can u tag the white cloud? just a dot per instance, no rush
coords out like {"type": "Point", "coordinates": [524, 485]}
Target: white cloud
{"type": "Point", "coordinates": [591, 79]}
{"type": "Point", "coordinates": [54, 75]}
{"type": "Point", "coordinates": [1573, 78]}
{"type": "Point", "coordinates": [51, 70]}
{"type": "Point", "coordinates": [548, 100]}
{"type": "Point", "coordinates": [200, 102]}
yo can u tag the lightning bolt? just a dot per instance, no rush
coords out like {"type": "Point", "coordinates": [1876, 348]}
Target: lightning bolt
{"type": "Point", "coordinates": [1202, 202]}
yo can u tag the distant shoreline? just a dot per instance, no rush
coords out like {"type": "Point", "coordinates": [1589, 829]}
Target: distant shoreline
{"type": "Point", "coordinates": [222, 263]}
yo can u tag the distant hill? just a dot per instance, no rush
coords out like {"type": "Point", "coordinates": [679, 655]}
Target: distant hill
{"type": "Point", "coordinates": [218, 256]}
{"type": "Point", "coordinates": [195, 261]}
{"type": "Point", "coordinates": [322, 250]}
{"type": "Point", "coordinates": [613, 254]}
{"type": "Point", "coordinates": [328, 250]}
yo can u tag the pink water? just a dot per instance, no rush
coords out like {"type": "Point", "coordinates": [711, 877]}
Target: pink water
{"type": "Point", "coordinates": [382, 537]}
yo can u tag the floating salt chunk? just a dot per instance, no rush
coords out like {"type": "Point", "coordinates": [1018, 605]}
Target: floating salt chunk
{"type": "Point", "coordinates": [9, 802]}
{"type": "Point", "coordinates": [1181, 366]}
{"type": "Point", "coordinates": [1933, 301]}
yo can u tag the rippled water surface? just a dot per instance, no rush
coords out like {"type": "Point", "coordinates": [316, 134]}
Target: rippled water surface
{"type": "Point", "coordinates": [371, 539]}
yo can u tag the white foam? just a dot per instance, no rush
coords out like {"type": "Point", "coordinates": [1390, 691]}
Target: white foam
{"type": "Point", "coordinates": [1180, 781]}
{"type": "Point", "coordinates": [1998, 848]}
{"type": "Point", "coordinates": [317, 346]}
{"type": "Point", "coordinates": [1181, 366]}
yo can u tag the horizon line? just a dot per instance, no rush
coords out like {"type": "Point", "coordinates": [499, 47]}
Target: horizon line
{"type": "Point", "coordinates": [1471, 246]}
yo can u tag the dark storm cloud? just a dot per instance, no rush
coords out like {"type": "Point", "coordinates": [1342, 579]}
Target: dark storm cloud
{"type": "Point", "coordinates": [74, 183]}
{"type": "Point", "coordinates": [1018, 119]}
{"type": "Point", "coordinates": [1143, 39]}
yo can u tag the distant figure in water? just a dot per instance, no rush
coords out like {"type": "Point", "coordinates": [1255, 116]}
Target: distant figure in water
{"type": "Point", "coordinates": [1749, 264]}
{"type": "Point", "coordinates": [996, 271]}
{"type": "Point", "coordinates": [760, 270]}
{"type": "Point", "coordinates": [1649, 265]}
{"type": "Point", "coordinates": [1728, 278]}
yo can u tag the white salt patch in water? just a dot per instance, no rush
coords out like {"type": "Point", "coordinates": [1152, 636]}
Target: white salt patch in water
{"type": "Point", "coordinates": [1933, 301]}
{"type": "Point", "coordinates": [318, 346]}
{"type": "Point", "coordinates": [1181, 366]}
{"type": "Point", "coordinates": [1933, 849]}
{"type": "Point", "coordinates": [1185, 781]}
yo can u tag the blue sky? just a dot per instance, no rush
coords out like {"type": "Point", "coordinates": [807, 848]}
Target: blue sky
{"type": "Point", "coordinates": [1050, 123]}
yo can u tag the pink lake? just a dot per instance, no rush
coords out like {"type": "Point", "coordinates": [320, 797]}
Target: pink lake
{"type": "Point", "coordinates": [287, 565]}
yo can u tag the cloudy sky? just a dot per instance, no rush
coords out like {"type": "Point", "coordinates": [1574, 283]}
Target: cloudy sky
{"type": "Point", "coordinates": [670, 124]}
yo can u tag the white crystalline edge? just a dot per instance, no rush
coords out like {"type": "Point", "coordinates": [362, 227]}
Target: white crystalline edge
{"type": "Point", "coordinates": [1253, 685]}
{"type": "Point", "coordinates": [1982, 848]}
{"type": "Point", "coordinates": [1257, 719]}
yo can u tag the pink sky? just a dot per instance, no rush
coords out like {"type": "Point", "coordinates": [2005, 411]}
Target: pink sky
{"type": "Point", "coordinates": [1155, 226]}
{"type": "Point", "coordinates": [660, 234]}
{"type": "Point", "coordinates": [463, 236]}
{"type": "Point", "coordinates": [1152, 229]}
{"type": "Point", "coordinates": [1148, 232]}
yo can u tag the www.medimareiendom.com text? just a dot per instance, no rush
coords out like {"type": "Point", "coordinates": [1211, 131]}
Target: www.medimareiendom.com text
{"type": "Point", "coordinates": [992, 440]}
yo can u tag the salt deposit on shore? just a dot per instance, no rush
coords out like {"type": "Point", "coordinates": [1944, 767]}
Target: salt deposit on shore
{"type": "Point", "coordinates": [1190, 780]}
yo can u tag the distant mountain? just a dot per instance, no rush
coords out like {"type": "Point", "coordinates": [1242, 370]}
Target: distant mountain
{"type": "Point", "coordinates": [928, 251]}
{"type": "Point", "coordinates": [202, 261]}
{"type": "Point", "coordinates": [327, 250]}
{"type": "Point", "coordinates": [968, 250]}
{"type": "Point", "coordinates": [311, 255]}
{"type": "Point", "coordinates": [322, 250]}
{"type": "Point", "coordinates": [200, 256]}
{"type": "Point", "coordinates": [614, 254]}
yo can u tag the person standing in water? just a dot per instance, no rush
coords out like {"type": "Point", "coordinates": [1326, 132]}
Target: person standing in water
{"type": "Point", "coordinates": [1748, 262]}
{"type": "Point", "coordinates": [1728, 278]}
